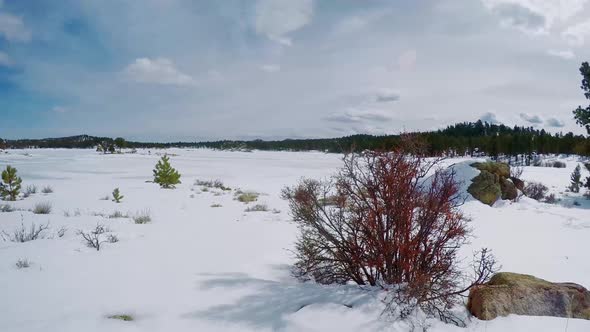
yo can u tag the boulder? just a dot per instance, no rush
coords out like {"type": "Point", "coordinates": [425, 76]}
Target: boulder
{"type": "Point", "coordinates": [486, 188]}
{"type": "Point", "coordinates": [500, 169]}
{"type": "Point", "coordinates": [508, 189]}
{"type": "Point", "coordinates": [520, 294]}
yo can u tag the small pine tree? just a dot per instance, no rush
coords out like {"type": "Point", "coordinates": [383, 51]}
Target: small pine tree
{"type": "Point", "coordinates": [165, 175]}
{"type": "Point", "coordinates": [575, 180]}
{"type": "Point", "coordinates": [117, 197]}
{"type": "Point", "coordinates": [10, 188]}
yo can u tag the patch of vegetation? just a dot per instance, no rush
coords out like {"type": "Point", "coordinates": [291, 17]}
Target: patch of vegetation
{"type": "Point", "coordinates": [535, 190]}
{"type": "Point", "coordinates": [165, 175]}
{"type": "Point", "coordinates": [246, 197]}
{"type": "Point", "coordinates": [123, 317]}
{"type": "Point", "coordinates": [94, 238]}
{"type": "Point", "coordinates": [218, 184]}
{"type": "Point", "coordinates": [118, 214]}
{"type": "Point", "coordinates": [105, 198]}
{"type": "Point", "coordinates": [22, 234]}
{"type": "Point", "coordinates": [257, 208]}
{"type": "Point", "coordinates": [142, 217]}
{"type": "Point", "coordinates": [42, 208]}
{"type": "Point", "coordinates": [23, 263]}
{"type": "Point", "coordinates": [47, 190]}
{"type": "Point", "coordinates": [217, 205]}
{"type": "Point", "coordinates": [30, 190]}
{"type": "Point", "coordinates": [6, 208]}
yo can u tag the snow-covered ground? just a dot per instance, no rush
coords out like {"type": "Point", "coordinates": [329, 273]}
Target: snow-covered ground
{"type": "Point", "coordinates": [201, 268]}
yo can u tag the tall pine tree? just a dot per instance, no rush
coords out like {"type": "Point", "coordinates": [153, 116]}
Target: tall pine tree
{"type": "Point", "coordinates": [582, 115]}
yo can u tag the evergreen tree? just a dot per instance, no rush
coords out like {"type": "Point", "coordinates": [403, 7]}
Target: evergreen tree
{"type": "Point", "coordinates": [582, 115]}
{"type": "Point", "coordinates": [120, 143]}
{"type": "Point", "coordinates": [117, 197]}
{"type": "Point", "coordinates": [10, 188]}
{"type": "Point", "coordinates": [165, 175]}
{"type": "Point", "coordinates": [575, 180]}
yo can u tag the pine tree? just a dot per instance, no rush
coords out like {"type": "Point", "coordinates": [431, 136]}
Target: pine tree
{"type": "Point", "coordinates": [582, 115]}
{"type": "Point", "coordinates": [12, 184]}
{"type": "Point", "coordinates": [575, 180]}
{"type": "Point", "coordinates": [117, 197]}
{"type": "Point", "coordinates": [165, 175]}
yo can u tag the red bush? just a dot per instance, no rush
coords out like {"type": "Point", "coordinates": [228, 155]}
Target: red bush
{"type": "Point", "coordinates": [380, 221]}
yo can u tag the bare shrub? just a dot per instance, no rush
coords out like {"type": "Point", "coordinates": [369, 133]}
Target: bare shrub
{"type": "Point", "coordinates": [23, 263]}
{"type": "Point", "coordinates": [142, 217]}
{"type": "Point", "coordinates": [389, 226]}
{"type": "Point", "coordinates": [535, 190]}
{"type": "Point", "coordinates": [94, 238]}
{"type": "Point", "coordinates": [516, 171]}
{"type": "Point", "coordinates": [218, 184]}
{"type": "Point", "coordinates": [551, 199]}
{"type": "Point", "coordinates": [30, 190]}
{"type": "Point", "coordinates": [112, 238]}
{"type": "Point", "coordinates": [47, 190]}
{"type": "Point", "coordinates": [42, 208]}
{"type": "Point", "coordinates": [257, 208]}
{"type": "Point", "coordinates": [22, 234]}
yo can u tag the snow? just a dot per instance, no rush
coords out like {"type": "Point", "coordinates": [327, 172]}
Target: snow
{"type": "Point", "coordinates": [200, 268]}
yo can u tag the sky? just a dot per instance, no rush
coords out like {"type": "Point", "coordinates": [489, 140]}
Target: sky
{"type": "Point", "coordinates": [167, 70]}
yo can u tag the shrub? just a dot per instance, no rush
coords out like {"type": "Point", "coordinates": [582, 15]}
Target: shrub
{"type": "Point", "coordinates": [212, 184]}
{"type": "Point", "coordinates": [575, 180]}
{"type": "Point", "coordinates": [257, 208]}
{"type": "Point", "coordinates": [142, 217]}
{"type": "Point", "coordinates": [117, 197]}
{"type": "Point", "coordinates": [11, 184]}
{"type": "Point", "coordinates": [105, 198]}
{"type": "Point", "coordinates": [247, 197]}
{"type": "Point", "coordinates": [389, 227]}
{"type": "Point", "coordinates": [216, 205]}
{"type": "Point", "coordinates": [94, 238]}
{"type": "Point", "coordinates": [164, 175]}
{"type": "Point", "coordinates": [123, 317]}
{"type": "Point", "coordinates": [42, 208]}
{"type": "Point", "coordinates": [47, 190]}
{"type": "Point", "coordinates": [6, 208]}
{"type": "Point", "coordinates": [559, 164]}
{"type": "Point", "coordinates": [23, 234]}
{"type": "Point", "coordinates": [117, 214]}
{"type": "Point", "coordinates": [112, 238]}
{"type": "Point", "coordinates": [30, 190]}
{"type": "Point", "coordinates": [535, 190]}
{"type": "Point", "coordinates": [61, 231]}
{"type": "Point", "coordinates": [23, 263]}
{"type": "Point", "coordinates": [551, 199]}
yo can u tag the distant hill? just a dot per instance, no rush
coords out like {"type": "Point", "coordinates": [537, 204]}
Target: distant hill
{"type": "Point", "coordinates": [467, 137]}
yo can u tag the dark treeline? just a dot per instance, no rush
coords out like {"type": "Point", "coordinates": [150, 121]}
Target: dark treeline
{"type": "Point", "coordinates": [463, 138]}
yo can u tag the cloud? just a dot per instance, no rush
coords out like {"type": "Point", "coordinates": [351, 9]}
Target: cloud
{"type": "Point", "coordinates": [5, 60]}
{"type": "Point", "coordinates": [13, 28]}
{"type": "Point", "coordinates": [577, 34]}
{"type": "Point", "coordinates": [531, 118]}
{"type": "Point", "coordinates": [566, 54]}
{"type": "Point", "coordinates": [553, 122]}
{"type": "Point", "coordinates": [270, 68]}
{"type": "Point", "coordinates": [277, 18]}
{"type": "Point", "coordinates": [407, 60]}
{"type": "Point", "coordinates": [490, 118]}
{"type": "Point", "coordinates": [157, 71]}
{"type": "Point", "coordinates": [520, 17]}
{"type": "Point", "coordinates": [356, 116]}
{"type": "Point", "coordinates": [387, 95]}
{"type": "Point", "coordinates": [59, 109]}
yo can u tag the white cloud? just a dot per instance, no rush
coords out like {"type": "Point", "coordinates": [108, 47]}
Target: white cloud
{"type": "Point", "coordinates": [565, 54]}
{"type": "Point", "coordinates": [5, 60]}
{"type": "Point", "coordinates": [531, 118]}
{"type": "Point", "coordinates": [59, 109]}
{"type": "Point", "coordinates": [489, 117]}
{"type": "Point", "coordinates": [13, 28]}
{"type": "Point", "coordinates": [553, 122]}
{"type": "Point", "coordinates": [576, 34]}
{"type": "Point", "coordinates": [387, 95]}
{"type": "Point", "coordinates": [535, 15]}
{"type": "Point", "coordinates": [407, 60]}
{"type": "Point", "coordinates": [276, 18]}
{"type": "Point", "coordinates": [270, 68]}
{"type": "Point", "coordinates": [157, 71]}
{"type": "Point", "coordinates": [359, 116]}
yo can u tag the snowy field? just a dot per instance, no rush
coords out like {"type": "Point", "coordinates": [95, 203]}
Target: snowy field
{"type": "Point", "coordinates": [201, 268]}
